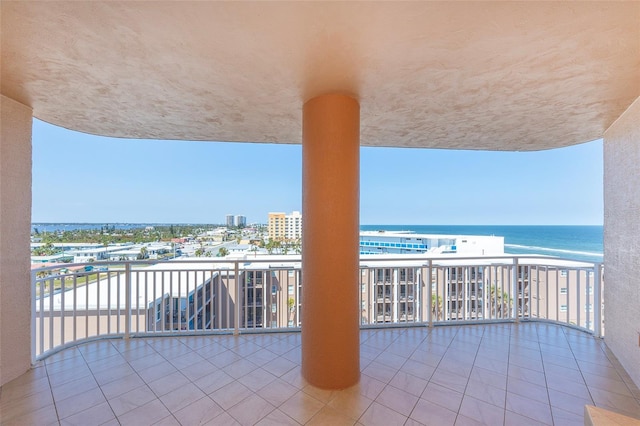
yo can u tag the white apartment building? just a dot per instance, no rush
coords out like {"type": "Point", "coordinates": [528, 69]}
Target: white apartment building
{"type": "Point", "coordinates": [293, 225]}
{"type": "Point", "coordinates": [240, 220]}
{"type": "Point", "coordinates": [384, 242]}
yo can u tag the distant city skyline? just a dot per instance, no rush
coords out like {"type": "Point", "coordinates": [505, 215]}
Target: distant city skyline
{"type": "Point", "coordinates": [84, 178]}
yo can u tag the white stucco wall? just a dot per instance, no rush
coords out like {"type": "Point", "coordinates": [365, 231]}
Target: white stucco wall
{"type": "Point", "coordinates": [15, 225]}
{"type": "Point", "coordinates": [622, 239]}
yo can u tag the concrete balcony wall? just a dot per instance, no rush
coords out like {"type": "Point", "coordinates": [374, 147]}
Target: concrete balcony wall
{"type": "Point", "coordinates": [15, 226]}
{"type": "Point", "coordinates": [622, 238]}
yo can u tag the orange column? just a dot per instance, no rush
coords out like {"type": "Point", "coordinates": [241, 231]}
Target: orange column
{"type": "Point", "coordinates": [330, 247]}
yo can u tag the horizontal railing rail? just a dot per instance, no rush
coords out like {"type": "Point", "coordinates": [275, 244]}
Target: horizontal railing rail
{"type": "Point", "coordinates": [73, 303]}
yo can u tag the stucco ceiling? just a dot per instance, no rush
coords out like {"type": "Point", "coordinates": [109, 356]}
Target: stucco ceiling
{"type": "Point", "coordinates": [463, 75]}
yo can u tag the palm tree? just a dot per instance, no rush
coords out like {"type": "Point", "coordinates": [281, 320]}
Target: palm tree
{"type": "Point", "coordinates": [436, 307]}
{"type": "Point", "coordinates": [223, 251]}
{"type": "Point", "coordinates": [500, 303]}
{"type": "Point", "coordinates": [297, 246]}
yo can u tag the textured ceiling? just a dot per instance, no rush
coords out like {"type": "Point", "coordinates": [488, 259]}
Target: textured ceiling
{"type": "Point", "coordinates": [463, 75]}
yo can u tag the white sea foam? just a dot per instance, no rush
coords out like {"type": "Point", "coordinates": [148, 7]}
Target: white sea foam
{"type": "Point", "coordinates": [553, 250]}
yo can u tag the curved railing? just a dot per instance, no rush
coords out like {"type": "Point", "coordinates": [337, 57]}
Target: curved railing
{"type": "Point", "coordinates": [74, 303]}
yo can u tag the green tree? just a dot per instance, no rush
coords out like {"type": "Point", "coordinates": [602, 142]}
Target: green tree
{"type": "Point", "coordinates": [143, 253]}
{"type": "Point", "coordinates": [436, 307]}
{"type": "Point", "coordinates": [500, 303]}
{"type": "Point", "coordinates": [297, 246]}
{"type": "Point", "coordinates": [223, 251]}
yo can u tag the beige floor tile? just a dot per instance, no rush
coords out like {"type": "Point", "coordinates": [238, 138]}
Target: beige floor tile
{"type": "Point", "coordinates": [198, 370]}
{"type": "Point", "coordinates": [527, 407]}
{"type": "Point", "coordinates": [199, 412]}
{"type": "Point", "coordinates": [186, 360]}
{"type": "Point", "coordinates": [418, 369]}
{"type": "Point", "coordinates": [258, 379]}
{"type": "Point", "coordinates": [116, 372]}
{"type": "Point", "coordinates": [567, 386]}
{"type": "Point", "coordinates": [467, 421]}
{"type": "Point", "coordinates": [294, 377]}
{"type": "Point", "coordinates": [481, 411]}
{"type": "Point", "coordinates": [431, 414]}
{"type": "Point", "coordinates": [279, 366]}
{"type": "Point", "coordinates": [390, 359]}
{"type": "Point", "coordinates": [442, 396]}
{"type": "Point", "coordinates": [240, 368]}
{"type": "Point", "coordinates": [351, 404]}
{"type": "Point", "coordinates": [156, 371]}
{"type": "Point", "coordinates": [181, 397]}
{"type": "Point", "coordinates": [277, 392]}
{"type": "Point", "coordinates": [301, 407]}
{"type": "Point", "coordinates": [147, 414]}
{"type": "Point", "coordinates": [489, 377]}
{"type": "Point", "coordinates": [450, 381]}
{"type": "Point", "coordinates": [529, 390]}
{"type": "Point", "coordinates": [565, 418]}
{"type": "Point", "coordinates": [122, 385]}
{"type": "Point", "coordinates": [368, 386]}
{"type": "Point", "coordinates": [223, 419]}
{"type": "Point", "coordinates": [231, 394]}
{"type": "Point", "coordinates": [514, 419]}
{"type": "Point", "coordinates": [397, 399]}
{"type": "Point", "coordinates": [621, 403]}
{"type": "Point", "coordinates": [78, 403]}
{"type": "Point", "coordinates": [327, 416]}
{"type": "Point", "coordinates": [95, 415]}
{"type": "Point", "coordinates": [487, 393]}
{"type": "Point", "coordinates": [33, 381]}
{"type": "Point", "coordinates": [167, 421]}
{"type": "Point", "coordinates": [133, 399]}
{"type": "Point", "coordinates": [610, 385]}
{"type": "Point", "coordinates": [409, 383]}
{"type": "Point", "coordinates": [213, 381]}
{"type": "Point", "coordinates": [73, 388]}
{"type": "Point", "coordinates": [169, 383]}
{"type": "Point", "coordinates": [251, 410]}
{"type": "Point", "coordinates": [379, 415]}
{"type": "Point", "coordinates": [499, 366]}
{"type": "Point", "coordinates": [322, 395]}
{"type": "Point", "coordinates": [45, 415]}
{"type": "Point", "coordinates": [568, 402]}
{"type": "Point", "coordinates": [380, 372]}
{"type": "Point", "coordinates": [277, 418]}
{"type": "Point", "coordinates": [66, 376]}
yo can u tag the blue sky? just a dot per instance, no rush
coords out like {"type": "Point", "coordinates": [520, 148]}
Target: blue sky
{"type": "Point", "coordinates": [84, 178]}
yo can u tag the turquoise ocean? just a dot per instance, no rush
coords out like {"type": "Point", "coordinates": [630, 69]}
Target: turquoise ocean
{"type": "Point", "coordinates": [570, 242]}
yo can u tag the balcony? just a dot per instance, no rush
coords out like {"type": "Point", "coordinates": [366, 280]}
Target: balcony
{"type": "Point", "coordinates": [526, 373]}
{"type": "Point", "coordinates": [101, 356]}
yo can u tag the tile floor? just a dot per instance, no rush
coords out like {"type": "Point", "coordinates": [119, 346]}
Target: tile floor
{"type": "Point", "coordinates": [530, 373]}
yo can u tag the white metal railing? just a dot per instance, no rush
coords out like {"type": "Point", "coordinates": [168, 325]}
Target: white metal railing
{"type": "Point", "coordinates": [73, 303]}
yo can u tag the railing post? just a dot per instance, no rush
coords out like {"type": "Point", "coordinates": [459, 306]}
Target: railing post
{"type": "Point", "coordinates": [514, 291]}
{"type": "Point", "coordinates": [597, 301]}
{"type": "Point", "coordinates": [33, 316]}
{"type": "Point", "coordinates": [127, 300]}
{"type": "Point", "coordinates": [429, 293]}
{"type": "Point", "coordinates": [236, 306]}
